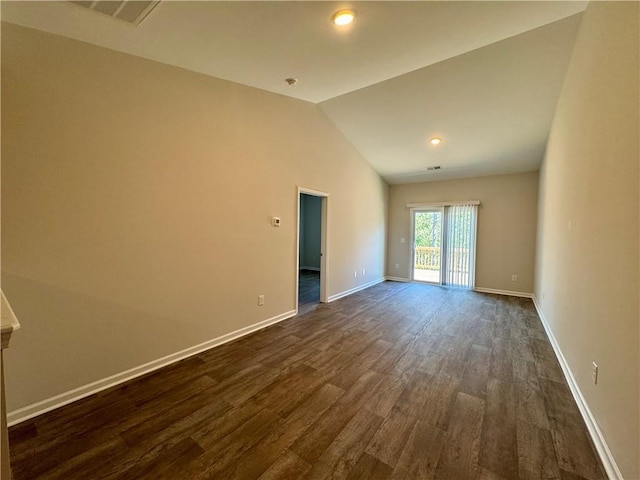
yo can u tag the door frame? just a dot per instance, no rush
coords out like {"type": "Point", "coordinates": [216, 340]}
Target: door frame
{"type": "Point", "coordinates": [324, 235]}
{"type": "Point", "coordinates": [412, 253]}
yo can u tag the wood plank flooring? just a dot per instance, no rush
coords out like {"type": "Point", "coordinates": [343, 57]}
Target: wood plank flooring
{"type": "Point", "coordinates": [399, 381]}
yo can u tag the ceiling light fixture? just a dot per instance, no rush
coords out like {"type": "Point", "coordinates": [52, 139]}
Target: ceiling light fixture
{"type": "Point", "coordinates": [435, 141]}
{"type": "Point", "coordinates": [291, 81]}
{"type": "Point", "coordinates": [343, 17]}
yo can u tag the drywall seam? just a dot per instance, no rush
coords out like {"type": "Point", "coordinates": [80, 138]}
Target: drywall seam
{"type": "Point", "coordinates": [333, 298]}
{"type": "Point", "coordinates": [608, 461]}
{"type": "Point", "coordinates": [44, 406]}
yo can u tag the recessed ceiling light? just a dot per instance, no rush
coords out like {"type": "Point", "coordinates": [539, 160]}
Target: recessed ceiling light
{"type": "Point", "coordinates": [435, 141]}
{"type": "Point", "coordinates": [343, 17]}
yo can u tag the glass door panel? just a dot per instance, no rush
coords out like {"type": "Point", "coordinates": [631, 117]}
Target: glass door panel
{"type": "Point", "coordinates": [427, 246]}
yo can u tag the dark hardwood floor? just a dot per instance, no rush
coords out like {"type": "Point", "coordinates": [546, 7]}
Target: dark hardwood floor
{"type": "Point", "coordinates": [400, 381]}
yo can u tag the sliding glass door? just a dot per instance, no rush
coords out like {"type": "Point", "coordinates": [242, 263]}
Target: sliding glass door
{"type": "Point", "coordinates": [444, 245]}
{"type": "Point", "coordinates": [427, 245]}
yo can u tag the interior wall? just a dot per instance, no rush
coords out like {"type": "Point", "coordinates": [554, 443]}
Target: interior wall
{"type": "Point", "coordinates": [587, 280]}
{"type": "Point", "coordinates": [310, 231]}
{"type": "Point", "coordinates": [130, 223]}
{"type": "Point", "coordinates": [302, 230]}
{"type": "Point", "coordinates": [506, 226]}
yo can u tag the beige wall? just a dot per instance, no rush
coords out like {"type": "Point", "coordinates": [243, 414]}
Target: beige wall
{"type": "Point", "coordinates": [136, 208]}
{"type": "Point", "coordinates": [506, 226]}
{"type": "Point", "coordinates": [587, 278]}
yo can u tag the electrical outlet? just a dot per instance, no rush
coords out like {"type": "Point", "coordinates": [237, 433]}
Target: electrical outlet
{"type": "Point", "coordinates": [260, 300]}
{"type": "Point", "coordinates": [355, 274]}
{"type": "Point", "coordinates": [397, 265]}
{"type": "Point", "coordinates": [594, 372]}
{"type": "Point", "coordinates": [363, 272]}
{"type": "Point", "coordinates": [514, 278]}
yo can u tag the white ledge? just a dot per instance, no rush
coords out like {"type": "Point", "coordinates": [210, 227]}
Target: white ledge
{"type": "Point", "coordinates": [8, 321]}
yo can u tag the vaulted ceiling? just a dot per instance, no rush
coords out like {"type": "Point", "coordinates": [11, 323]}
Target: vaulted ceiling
{"type": "Point", "coordinates": [483, 76]}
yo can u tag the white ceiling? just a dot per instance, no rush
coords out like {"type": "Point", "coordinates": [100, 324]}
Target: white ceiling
{"type": "Point", "coordinates": [485, 76]}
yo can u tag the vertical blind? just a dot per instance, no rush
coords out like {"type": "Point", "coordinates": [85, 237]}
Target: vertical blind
{"type": "Point", "coordinates": [460, 245]}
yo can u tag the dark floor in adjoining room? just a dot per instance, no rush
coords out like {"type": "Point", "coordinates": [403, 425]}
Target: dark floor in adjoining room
{"type": "Point", "coordinates": [308, 290]}
{"type": "Point", "coordinates": [399, 381]}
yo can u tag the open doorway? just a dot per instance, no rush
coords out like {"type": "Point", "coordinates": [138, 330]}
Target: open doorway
{"type": "Point", "coordinates": [312, 214]}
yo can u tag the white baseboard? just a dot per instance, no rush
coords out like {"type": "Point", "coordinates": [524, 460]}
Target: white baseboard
{"type": "Point", "coordinates": [313, 269]}
{"type": "Point", "coordinates": [65, 398]}
{"type": "Point", "coordinates": [478, 289]}
{"type": "Point", "coordinates": [397, 279]}
{"type": "Point", "coordinates": [504, 292]}
{"type": "Point", "coordinates": [609, 463]}
{"type": "Point", "coordinates": [333, 298]}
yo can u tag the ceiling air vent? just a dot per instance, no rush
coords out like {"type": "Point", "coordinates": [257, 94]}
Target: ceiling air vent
{"type": "Point", "coordinates": [128, 11]}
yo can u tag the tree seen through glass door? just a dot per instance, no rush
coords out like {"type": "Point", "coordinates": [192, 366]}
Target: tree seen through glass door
{"type": "Point", "coordinates": [427, 246]}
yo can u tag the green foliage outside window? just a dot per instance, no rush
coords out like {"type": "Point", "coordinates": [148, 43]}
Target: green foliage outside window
{"type": "Point", "coordinates": [428, 229]}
